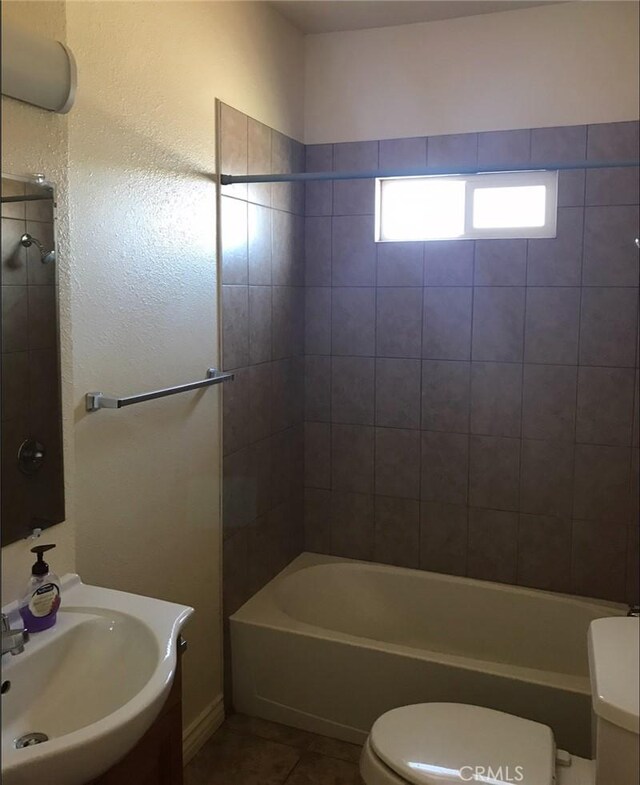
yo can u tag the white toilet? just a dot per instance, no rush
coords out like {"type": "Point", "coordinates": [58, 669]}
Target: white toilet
{"type": "Point", "coordinates": [446, 743]}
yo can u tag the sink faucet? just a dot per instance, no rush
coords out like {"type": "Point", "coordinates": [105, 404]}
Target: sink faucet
{"type": "Point", "coordinates": [13, 640]}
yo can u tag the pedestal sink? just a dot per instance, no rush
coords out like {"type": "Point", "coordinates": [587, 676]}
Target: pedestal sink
{"type": "Point", "coordinates": [92, 685]}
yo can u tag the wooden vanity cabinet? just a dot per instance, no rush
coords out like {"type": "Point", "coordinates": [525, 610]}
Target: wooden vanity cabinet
{"type": "Point", "coordinates": [157, 757]}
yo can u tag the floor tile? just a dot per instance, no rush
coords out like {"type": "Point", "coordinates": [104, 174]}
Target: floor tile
{"type": "Point", "coordinates": [334, 748]}
{"type": "Point", "coordinates": [243, 760]}
{"type": "Point", "coordinates": [272, 731]}
{"type": "Point", "coordinates": [314, 769]}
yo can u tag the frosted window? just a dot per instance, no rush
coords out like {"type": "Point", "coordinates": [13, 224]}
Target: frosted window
{"type": "Point", "coordinates": [480, 206]}
{"type": "Point", "coordinates": [420, 208]}
{"type": "Point", "coordinates": [509, 207]}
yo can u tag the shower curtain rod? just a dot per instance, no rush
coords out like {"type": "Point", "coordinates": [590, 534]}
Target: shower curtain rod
{"type": "Point", "coordinates": [294, 177]}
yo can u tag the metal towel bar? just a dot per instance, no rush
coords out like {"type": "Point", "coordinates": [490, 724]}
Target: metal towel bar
{"type": "Point", "coordinates": [98, 400]}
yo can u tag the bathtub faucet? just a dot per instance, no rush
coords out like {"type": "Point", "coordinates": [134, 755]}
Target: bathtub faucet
{"type": "Point", "coordinates": [634, 610]}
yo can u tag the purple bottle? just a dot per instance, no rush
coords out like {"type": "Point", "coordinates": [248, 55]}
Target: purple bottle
{"type": "Point", "coordinates": [39, 606]}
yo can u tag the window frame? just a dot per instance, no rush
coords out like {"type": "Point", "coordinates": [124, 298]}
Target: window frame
{"type": "Point", "coordinates": [474, 182]}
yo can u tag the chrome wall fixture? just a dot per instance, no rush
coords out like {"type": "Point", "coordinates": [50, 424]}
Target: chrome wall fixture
{"type": "Point", "coordinates": [46, 256]}
{"type": "Point", "coordinates": [292, 177]}
{"type": "Point", "coordinates": [98, 400]}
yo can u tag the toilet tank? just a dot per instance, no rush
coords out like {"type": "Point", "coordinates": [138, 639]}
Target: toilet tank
{"type": "Point", "coordinates": [614, 653]}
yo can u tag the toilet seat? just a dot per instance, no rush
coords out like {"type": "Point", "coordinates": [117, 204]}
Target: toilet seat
{"type": "Point", "coordinates": [374, 772]}
{"type": "Point", "coordinates": [447, 743]}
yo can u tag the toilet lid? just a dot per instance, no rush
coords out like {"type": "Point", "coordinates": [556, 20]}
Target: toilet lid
{"type": "Point", "coordinates": [445, 743]}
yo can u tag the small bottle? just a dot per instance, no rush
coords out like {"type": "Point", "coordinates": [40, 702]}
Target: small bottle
{"type": "Point", "coordinates": [39, 606]}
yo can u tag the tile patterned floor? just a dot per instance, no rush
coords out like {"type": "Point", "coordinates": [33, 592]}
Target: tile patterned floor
{"type": "Point", "coordinates": [250, 751]}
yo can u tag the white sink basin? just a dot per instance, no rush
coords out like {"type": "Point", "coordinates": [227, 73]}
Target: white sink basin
{"type": "Point", "coordinates": [93, 684]}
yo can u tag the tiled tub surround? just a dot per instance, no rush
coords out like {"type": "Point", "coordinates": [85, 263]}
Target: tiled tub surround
{"type": "Point", "coordinates": [472, 407]}
{"type": "Point", "coordinates": [263, 342]}
{"type": "Point", "coordinates": [30, 368]}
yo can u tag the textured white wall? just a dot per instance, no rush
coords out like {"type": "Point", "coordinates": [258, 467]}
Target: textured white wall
{"type": "Point", "coordinates": [144, 288]}
{"type": "Point", "coordinates": [140, 286]}
{"type": "Point", "coordinates": [564, 64]}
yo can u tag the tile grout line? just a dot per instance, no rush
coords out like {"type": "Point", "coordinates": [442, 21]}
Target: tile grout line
{"type": "Point", "coordinates": [524, 336]}
{"type": "Point", "coordinates": [572, 563]}
{"type": "Point", "coordinates": [295, 765]}
{"type": "Point", "coordinates": [331, 355]}
{"type": "Point", "coordinates": [469, 394]}
{"type": "Point", "coordinates": [421, 382]}
{"type": "Point", "coordinates": [471, 332]}
{"type": "Point", "coordinates": [375, 378]}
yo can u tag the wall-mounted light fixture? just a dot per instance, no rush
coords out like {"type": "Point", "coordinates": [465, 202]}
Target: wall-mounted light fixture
{"type": "Point", "coordinates": [37, 70]}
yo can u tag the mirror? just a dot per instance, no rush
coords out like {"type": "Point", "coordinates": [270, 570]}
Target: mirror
{"type": "Point", "coordinates": [32, 480]}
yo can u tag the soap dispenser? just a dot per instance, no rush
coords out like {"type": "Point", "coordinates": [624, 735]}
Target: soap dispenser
{"type": "Point", "coordinates": [39, 606]}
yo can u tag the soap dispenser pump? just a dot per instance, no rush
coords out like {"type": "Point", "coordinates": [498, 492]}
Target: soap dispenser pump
{"type": "Point", "coordinates": [39, 606]}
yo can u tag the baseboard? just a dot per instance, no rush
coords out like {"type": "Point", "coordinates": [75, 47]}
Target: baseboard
{"type": "Point", "coordinates": [202, 728]}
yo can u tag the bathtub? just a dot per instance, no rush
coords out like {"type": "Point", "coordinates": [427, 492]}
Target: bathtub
{"type": "Point", "coordinates": [330, 644]}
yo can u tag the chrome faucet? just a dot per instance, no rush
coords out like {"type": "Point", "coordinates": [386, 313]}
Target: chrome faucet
{"type": "Point", "coordinates": [13, 640]}
{"type": "Point", "coordinates": [634, 610]}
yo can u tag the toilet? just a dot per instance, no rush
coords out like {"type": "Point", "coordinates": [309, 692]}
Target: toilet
{"type": "Point", "coordinates": [447, 743]}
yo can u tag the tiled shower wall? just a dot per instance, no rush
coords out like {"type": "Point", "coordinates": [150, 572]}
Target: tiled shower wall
{"type": "Point", "coordinates": [472, 407]}
{"type": "Point", "coordinates": [262, 230]}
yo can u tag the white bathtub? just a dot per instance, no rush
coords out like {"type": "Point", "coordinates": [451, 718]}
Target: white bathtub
{"type": "Point", "coordinates": [330, 644]}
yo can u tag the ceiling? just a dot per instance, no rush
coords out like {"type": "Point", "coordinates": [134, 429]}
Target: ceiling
{"type": "Point", "coordinates": [328, 16]}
